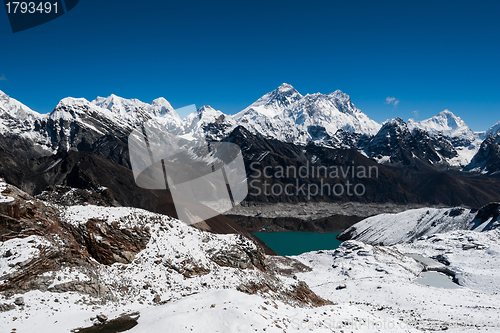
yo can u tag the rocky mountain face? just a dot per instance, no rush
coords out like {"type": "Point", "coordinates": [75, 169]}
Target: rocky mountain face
{"type": "Point", "coordinates": [396, 144]}
{"type": "Point", "coordinates": [85, 170]}
{"type": "Point", "coordinates": [266, 159]}
{"type": "Point", "coordinates": [95, 179]}
{"type": "Point", "coordinates": [487, 159]}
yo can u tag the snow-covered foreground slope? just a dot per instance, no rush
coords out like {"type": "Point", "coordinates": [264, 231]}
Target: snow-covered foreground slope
{"type": "Point", "coordinates": [207, 312]}
{"type": "Point", "coordinates": [381, 280]}
{"type": "Point", "coordinates": [72, 264]}
{"type": "Point", "coordinates": [389, 229]}
{"type": "Point", "coordinates": [84, 261]}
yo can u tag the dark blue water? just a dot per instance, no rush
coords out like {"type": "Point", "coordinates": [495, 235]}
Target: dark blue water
{"type": "Point", "coordinates": [291, 243]}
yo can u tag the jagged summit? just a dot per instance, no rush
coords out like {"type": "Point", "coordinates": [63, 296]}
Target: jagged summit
{"type": "Point", "coordinates": [271, 104]}
{"type": "Point", "coordinates": [206, 108]}
{"type": "Point", "coordinates": [445, 122]}
{"type": "Point", "coordinates": [395, 122]}
{"type": "Point", "coordinates": [494, 130]}
{"type": "Point", "coordinates": [162, 102]}
{"type": "Point", "coordinates": [15, 108]}
{"type": "Point", "coordinates": [340, 95]}
{"type": "Point", "coordinates": [285, 87]}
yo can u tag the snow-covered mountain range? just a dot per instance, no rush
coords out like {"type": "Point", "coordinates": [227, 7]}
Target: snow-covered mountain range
{"type": "Point", "coordinates": [330, 120]}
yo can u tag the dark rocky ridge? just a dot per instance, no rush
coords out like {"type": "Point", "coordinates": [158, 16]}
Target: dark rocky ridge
{"type": "Point", "coordinates": [417, 183]}
{"type": "Point", "coordinates": [332, 223]}
{"type": "Point", "coordinates": [84, 171]}
{"type": "Point", "coordinates": [402, 185]}
{"type": "Point", "coordinates": [487, 158]}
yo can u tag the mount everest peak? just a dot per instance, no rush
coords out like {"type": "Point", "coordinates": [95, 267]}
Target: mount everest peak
{"type": "Point", "coordinates": [271, 104]}
{"type": "Point", "coordinates": [286, 115]}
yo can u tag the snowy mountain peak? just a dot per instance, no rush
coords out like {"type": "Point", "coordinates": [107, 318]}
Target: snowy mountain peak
{"type": "Point", "coordinates": [205, 109]}
{"type": "Point", "coordinates": [161, 102]}
{"type": "Point", "coordinates": [15, 108]}
{"type": "Point", "coordinates": [122, 106]}
{"type": "Point", "coordinates": [395, 122]}
{"type": "Point", "coordinates": [448, 118]}
{"type": "Point", "coordinates": [284, 95]}
{"type": "Point", "coordinates": [273, 103]}
{"type": "Point", "coordinates": [285, 87]}
{"type": "Point", "coordinates": [341, 96]}
{"type": "Point", "coordinates": [207, 123]}
{"type": "Point", "coordinates": [70, 109]}
{"type": "Point", "coordinates": [71, 101]}
{"type": "Point", "coordinates": [493, 130]}
{"type": "Point", "coordinates": [284, 114]}
{"type": "Point", "coordinates": [445, 122]}
{"type": "Point", "coordinates": [133, 109]}
{"type": "Point", "coordinates": [161, 107]}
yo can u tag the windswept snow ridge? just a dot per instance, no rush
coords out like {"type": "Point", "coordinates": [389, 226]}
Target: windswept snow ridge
{"type": "Point", "coordinates": [389, 229]}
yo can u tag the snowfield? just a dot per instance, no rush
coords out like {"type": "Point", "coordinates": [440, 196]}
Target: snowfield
{"type": "Point", "coordinates": [381, 280]}
{"type": "Point", "coordinates": [389, 229]}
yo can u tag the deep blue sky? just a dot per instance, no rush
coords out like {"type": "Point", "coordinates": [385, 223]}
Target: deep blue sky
{"type": "Point", "coordinates": [429, 55]}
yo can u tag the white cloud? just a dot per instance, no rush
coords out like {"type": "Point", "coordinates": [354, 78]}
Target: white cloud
{"type": "Point", "coordinates": [392, 100]}
{"type": "Point", "coordinates": [415, 114]}
{"type": "Point", "coordinates": [3, 78]}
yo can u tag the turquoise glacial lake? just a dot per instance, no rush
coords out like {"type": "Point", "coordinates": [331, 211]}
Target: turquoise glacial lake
{"type": "Point", "coordinates": [290, 243]}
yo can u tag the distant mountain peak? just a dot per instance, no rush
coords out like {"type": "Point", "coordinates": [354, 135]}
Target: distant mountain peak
{"type": "Point", "coordinates": [15, 108]}
{"type": "Point", "coordinates": [284, 95]}
{"type": "Point", "coordinates": [494, 130]}
{"type": "Point", "coordinates": [451, 120]}
{"type": "Point", "coordinates": [395, 122]}
{"type": "Point", "coordinates": [160, 101]}
{"type": "Point", "coordinates": [445, 122]}
{"type": "Point", "coordinates": [115, 103]}
{"type": "Point", "coordinates": [161, 107]}
{"type": "Point", "coordinates": [285, 87]}
{"type": "Point", "coordinates": [206, 108]}
{"type": "Point", "coordinates": [273, 103]}
{"type": "Point", "coordinates": [71, 101]}
{"type": "Point", "coordinates": [340, 95]}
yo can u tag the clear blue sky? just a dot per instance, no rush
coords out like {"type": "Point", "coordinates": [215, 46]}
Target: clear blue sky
{"type": "Point", "coordinates": [429, 55]}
